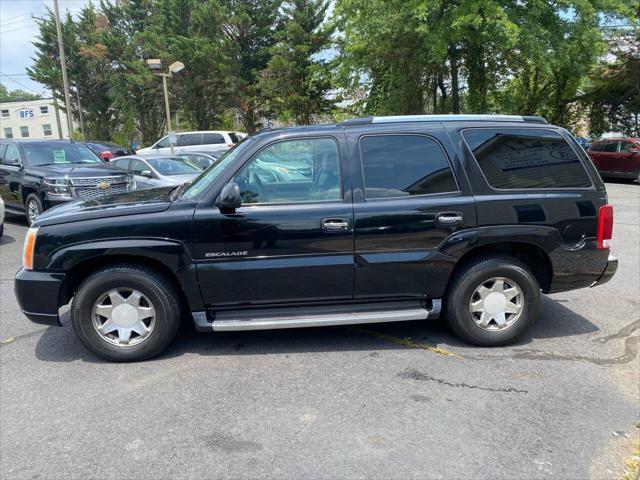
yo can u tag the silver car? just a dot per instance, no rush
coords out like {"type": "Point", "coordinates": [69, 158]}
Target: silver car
{"type": "Point", "coordinates": [152, 171]}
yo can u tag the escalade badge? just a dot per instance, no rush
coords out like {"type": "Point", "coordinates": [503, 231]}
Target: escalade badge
{"type": "Point", "coordinates": [242, 253]}
{"type": "Point", "coordinates": [103, 185]}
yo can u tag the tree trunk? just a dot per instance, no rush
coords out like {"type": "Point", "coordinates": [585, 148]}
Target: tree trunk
{"type": "Point", "coordinates": [455, 85]}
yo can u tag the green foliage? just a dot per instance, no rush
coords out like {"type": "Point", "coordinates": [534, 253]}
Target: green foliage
{"type": "Point", "coordinates": [251, 62]}
{"type": "Point", "coordinates": [440, 56]}
{"type": "Point", "coordinates": [295, 80]}
{"type": "Point", "coordinates": [612, 93]}
{"type": "Point", "coordinates": [15, 95]}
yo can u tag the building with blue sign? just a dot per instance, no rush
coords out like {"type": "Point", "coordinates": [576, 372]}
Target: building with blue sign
{"type": "Point", "coordinates": [37, 119]}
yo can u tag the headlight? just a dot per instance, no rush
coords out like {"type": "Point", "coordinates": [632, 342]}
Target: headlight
{"type": "Point", "coordinates": [57, 186]}
{"type": "Point", "coordinates": [29, 248]}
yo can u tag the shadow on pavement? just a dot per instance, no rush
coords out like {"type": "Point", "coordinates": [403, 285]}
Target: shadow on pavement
{"type": "Point", "coordinates": [6, 239]}
{"type": "Point", "coordinates": [60, 344]}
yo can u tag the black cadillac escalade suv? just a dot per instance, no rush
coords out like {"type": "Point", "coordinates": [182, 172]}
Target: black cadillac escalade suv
{"type": "Point", "coordinates": [396, 218]}
{"type": "Point", "coordinates": [38, 174]}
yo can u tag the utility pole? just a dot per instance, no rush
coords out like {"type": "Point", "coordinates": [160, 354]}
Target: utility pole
{"type": "Point", "coordinates": [166, 100]}
{"type": "Point", "coordinates": [63, 67]}
{"type": "Point", "coordinates": [80, 112]}
{"type": "Point", "coordinates": [55, 107]}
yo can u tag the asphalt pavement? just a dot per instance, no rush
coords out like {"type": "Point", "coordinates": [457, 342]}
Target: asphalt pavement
{"type": "Point", "coordinates": [389, 401]}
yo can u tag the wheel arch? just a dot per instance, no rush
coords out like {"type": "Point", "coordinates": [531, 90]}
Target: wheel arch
{"type": "Point", "coordinates": [528, 253]}
{"type": "Point", "coordinates": [167, 258]}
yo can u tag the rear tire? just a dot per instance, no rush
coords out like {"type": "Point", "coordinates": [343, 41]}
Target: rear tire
{"type": "Point", "coordinates": [492, 301]}
{"type": "Point", "coordinates": [33, 206]}
{"type": "Point", "coordinates": [144, 324]}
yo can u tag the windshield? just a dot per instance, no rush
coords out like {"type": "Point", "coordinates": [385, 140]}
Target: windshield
{"type": "Point", "coordinates": [172, 166]}
{"type": "Point", "coordinates": [201, 183]}
{"type": "Point", "coordinates": [60, 154]}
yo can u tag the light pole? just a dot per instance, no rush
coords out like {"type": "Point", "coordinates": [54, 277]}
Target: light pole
{"type": "Point", "coordinates": [63, 68]}
{"type": "Point", "coordinates": [175, 67]}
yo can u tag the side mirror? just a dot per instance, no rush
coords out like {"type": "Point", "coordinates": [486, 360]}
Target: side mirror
{"type": "Point", "coordinates": [13, 162]}
{"type": "Point", "coordinates": [230, 198]}
{"type": "Point", "coordinates": [146, 173]}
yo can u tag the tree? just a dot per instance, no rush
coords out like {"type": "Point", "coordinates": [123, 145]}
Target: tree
{"type": "Point", "coordinates": [251, 28]}
{"type": "Point", "coordinates": [612, 93]}
{"type": "Point", "coordinates": [295, 79]}
{"type": "Point", "coordinates": [15, 95]}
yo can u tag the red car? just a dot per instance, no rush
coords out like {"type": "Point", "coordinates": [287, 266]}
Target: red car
{"type": "Point", "coordinates": [617, 157]}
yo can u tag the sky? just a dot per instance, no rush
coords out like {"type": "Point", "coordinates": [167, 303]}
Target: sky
{"type": "Point", "coordinates": [18, 29]}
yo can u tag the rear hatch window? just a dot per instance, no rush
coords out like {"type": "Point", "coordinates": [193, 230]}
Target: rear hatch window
{"type": "Point", "coordinates": [526, 158]}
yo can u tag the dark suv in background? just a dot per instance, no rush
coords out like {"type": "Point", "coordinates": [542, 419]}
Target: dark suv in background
{"type": "Point", "coordinates": [38, 174]}
{"type": "Point", "coordinates": [398, 218]}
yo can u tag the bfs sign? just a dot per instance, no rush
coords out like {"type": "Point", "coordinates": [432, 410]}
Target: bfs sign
{"type": "Point", "coordinates": [25, 113]}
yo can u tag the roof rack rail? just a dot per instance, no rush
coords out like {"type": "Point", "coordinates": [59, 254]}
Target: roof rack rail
{"type": "Point", "coordinates": [443, 118]}
{"type": "Point", "coordinates": [356, 121]}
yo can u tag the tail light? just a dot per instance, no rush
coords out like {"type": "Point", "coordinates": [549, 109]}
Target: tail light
{"type": "Point", "coordinates": [605, 226]}
{"type": "Point", "coordinates": [229, 145]}
{"type": "Point", "coordinates": [106, 155]}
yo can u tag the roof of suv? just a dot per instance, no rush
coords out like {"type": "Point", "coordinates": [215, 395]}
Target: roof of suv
{"type": "Point", "coordinates": [488, 118]}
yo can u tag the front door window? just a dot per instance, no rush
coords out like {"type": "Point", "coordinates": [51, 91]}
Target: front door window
{"type": "Point", "coordinates": [293, 171]}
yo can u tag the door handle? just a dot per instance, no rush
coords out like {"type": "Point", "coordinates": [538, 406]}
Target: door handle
{"type": "Point", "coordinates": [449, 218]}
{"type": "Point", "coordinates": [335, 224]}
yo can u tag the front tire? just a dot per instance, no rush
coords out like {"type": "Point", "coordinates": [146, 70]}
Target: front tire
{"type": "Point", "coordinates": [492, 301]}
{"type": "Point", "coordinates": [126, 313]}
{"type": "Point", "coordinates": [33, 206]}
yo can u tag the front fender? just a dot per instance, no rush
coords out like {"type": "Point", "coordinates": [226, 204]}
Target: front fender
{"type": "Point", "coordinates": [172, 255]}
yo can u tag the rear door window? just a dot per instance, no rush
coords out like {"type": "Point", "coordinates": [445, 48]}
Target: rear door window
{"type": "Point", "coordinates": [526, 158]}
{"type": "Point", "coordinates": [610, 147]}
{"type": "Point", "coordinates": [404, 165]}
{"type": "Point", "coordinates": [213, 139]}
{"type": "Point", "coordinates": [189, 139]}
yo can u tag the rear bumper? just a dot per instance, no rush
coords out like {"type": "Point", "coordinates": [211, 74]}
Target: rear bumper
{"type": "Point", "coordinates": [609, 271]}
{"type": "Point", "coordinates": [38, 294]}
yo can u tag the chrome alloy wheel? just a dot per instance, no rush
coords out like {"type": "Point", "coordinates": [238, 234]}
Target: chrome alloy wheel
{"type": "Point", "coordinates": [123, 317]}
{"type": "Point", "coordinates": [496, 304]}
{"type": "Point", "coordinates": [32, 210]}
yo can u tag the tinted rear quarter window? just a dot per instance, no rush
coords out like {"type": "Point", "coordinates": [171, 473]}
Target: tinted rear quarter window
{"type": "Point", "coordinates": [234, 137]}
{"type": "Point", "coordinates": [526, 158]}
{"type": "Point", "coordinates": [403, 166]}
{"type": "Point", "coordinates": [213, 139]}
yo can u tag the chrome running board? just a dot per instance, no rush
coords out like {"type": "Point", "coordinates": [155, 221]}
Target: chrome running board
{"type": "Point", "coordinates": [319, 316]}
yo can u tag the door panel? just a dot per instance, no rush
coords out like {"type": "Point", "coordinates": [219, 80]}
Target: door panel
{"type": "Point", "coordinates": [291, 241]}
{"type": "Point", "coordinates": [397, 238]}
{"type": "Point", "coordinates": [273, 254]}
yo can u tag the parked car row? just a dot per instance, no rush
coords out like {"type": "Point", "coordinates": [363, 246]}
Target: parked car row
{"type": "Point", "coordinates": [36, 175]}
{"type": "Point", "coordinates": [214, 140]}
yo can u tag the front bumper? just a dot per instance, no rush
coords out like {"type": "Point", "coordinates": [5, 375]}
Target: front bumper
{"type": "Point", "coordinates": [51, 201]}
{"type": "Point", "coordinates": [609, 271]}
{"type": "Point", "coordinates": [38, 295]}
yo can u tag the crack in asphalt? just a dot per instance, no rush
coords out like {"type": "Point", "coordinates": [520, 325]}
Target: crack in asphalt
{"type": "Point", "coordinates": [412, 374]}
{"type": "Point", "coordinates": [630, 352]}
